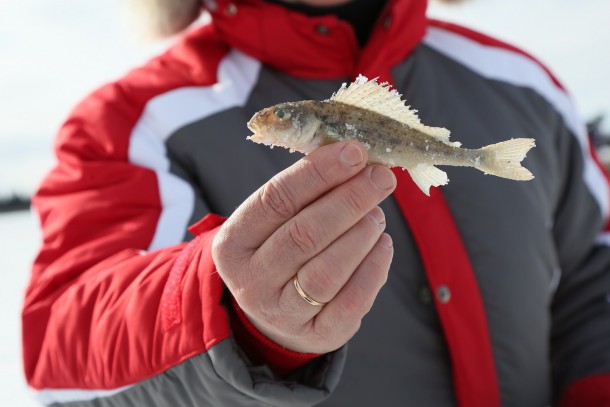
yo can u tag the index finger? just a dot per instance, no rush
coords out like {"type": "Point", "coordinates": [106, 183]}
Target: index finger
{"type": "Point", "coordinates": [291, 190]}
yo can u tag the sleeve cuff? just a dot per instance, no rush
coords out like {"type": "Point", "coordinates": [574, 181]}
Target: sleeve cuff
{"type": "Point", "coordinates": [262, 350]}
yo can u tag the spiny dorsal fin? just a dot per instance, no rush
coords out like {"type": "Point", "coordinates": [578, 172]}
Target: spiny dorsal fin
{"type": "Point", "coordinates": [380, 98]}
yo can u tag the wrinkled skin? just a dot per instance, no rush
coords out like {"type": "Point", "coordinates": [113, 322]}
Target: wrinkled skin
{"type": "Point", "coordinates": [317, 219]}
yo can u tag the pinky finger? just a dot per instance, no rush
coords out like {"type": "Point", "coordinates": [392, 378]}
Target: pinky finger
{"type": "Point", "coordinates": [357, 296]}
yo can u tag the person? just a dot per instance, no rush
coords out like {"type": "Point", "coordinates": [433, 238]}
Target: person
{"type": "Point", "coordinates": [318, 280]}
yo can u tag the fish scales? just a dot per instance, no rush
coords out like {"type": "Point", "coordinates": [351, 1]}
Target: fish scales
{"type": "Point", "coordinates": [376, 116]}
{"type": "Point", "coordinates": [407, 146]}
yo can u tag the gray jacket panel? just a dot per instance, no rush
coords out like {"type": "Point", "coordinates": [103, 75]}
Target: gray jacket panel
{"type": "Point", "coordinates": [220, 377]}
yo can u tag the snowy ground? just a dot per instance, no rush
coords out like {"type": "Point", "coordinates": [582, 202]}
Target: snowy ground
{"type": "Point", "coordinates": [18, 242]}
{"type": "Point", "coordinates": [53, 53]}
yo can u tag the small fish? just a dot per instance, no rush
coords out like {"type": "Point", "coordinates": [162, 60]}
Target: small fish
{"type": "Point", "coordinates": [376, 116]}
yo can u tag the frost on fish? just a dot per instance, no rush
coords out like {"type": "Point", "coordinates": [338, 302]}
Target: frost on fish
{"type": "Point", "coordinates": [375, 115]}
{"type": "Point", "coordinates": [380, 98]}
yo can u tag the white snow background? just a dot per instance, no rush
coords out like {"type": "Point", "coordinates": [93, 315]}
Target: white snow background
{"type": "Point", "coordinates": [52, 53]}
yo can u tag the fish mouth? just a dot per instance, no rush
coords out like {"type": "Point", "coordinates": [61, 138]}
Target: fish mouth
{"type": "Point", "coordinates": [256, 137]}
{"type": "Point", "coordinates": [253, 126]}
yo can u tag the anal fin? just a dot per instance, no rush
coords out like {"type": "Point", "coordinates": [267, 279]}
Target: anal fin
{"type": "Point", "coordinates": [426, 176]}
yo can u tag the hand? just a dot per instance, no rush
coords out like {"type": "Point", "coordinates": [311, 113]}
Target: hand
{"type": "Point", "coordinates": [318, 220]}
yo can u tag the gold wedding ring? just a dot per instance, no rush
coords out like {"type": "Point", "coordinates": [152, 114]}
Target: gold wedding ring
{"type": "Point", "coordinates": [304, 295]}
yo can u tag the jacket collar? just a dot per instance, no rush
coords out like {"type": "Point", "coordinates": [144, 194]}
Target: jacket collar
{"type": "Point", "coordinates": [318, 47]}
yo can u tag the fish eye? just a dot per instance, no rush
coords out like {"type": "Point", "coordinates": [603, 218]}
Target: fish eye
{"type": "Point", "coordinates": [282, 114]}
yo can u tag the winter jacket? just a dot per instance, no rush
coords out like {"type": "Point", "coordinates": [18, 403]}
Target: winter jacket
{"type": "Point", "coordinates": [498, 293]}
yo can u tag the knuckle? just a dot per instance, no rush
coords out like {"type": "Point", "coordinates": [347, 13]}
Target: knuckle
{"type": "Point", "coordinates": [355, 305]}
{"type": "Point", "coordinates": [221, 256]}
{"type": "Point", "coordinates": [356, 201]}
{"type": "Point", "coordinates": [228, 247]}
{"type": "Point", "coordinates": [245, 302]}
{"type": "Point", "coordinates": [243, 293]}
{"type": "Point", "coordinates": [245, 297]}
{"type": "Point", "coordinates": [383, 276]}
{"type": "Point", "coordinates": [379, 267]}
{"type": "Point", "coordinates": [322, 272]}
{"type": "Point", "coordinates": [280, 317]}
{"type": "Point", "coordinates": [317, 281]}
{"type": "Point", "coordinates": [277, 198]}
{"type": "Point", "coordinates": [228, 257]}
{"type": "Point", "coordinates": [339, 330]}
{"type": "Point", "coordinates": [302, 236]}
{"type": "Point", "coordinates": [286, 304]}
{"type": "Point", "coordinates": [316, 174]}
{"type": "Point", "coordinates": [219, 246]}
{"type": "Point", "coordinates": [321, 331]}
{"type": "Point", "coordinates": [251, 301]}
{"type": "Point", "coordinates": [323, 328]}
{"type": "Point", "coordinates": [381, 273]}
{"type": "Point", "coordinates": [351, 327]}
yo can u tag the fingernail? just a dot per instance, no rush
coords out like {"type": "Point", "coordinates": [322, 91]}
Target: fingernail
{"type": "Point", "coordinates": [378, 215]}
{"type": "Point", "coordinates": [383, 178]}
{"type": "Point", "coordinates": [351, 155]}
{"type": "Point", "coordinates": [386, 241]}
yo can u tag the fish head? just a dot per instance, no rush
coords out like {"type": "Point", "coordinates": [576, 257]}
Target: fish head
{"type": "Point", "coordinates": [289, 125]}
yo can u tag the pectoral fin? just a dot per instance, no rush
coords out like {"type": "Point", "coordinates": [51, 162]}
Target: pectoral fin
{"type": "Point", "coordinates": [426, 176]}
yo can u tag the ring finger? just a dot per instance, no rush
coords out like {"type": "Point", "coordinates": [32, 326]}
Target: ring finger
{"type": "Point", "coordinates": [324, 275]}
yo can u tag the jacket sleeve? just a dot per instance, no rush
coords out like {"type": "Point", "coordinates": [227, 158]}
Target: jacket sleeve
{"type": "Point", "coordinates": [580, 332]}
{"type": "Point", "coordinates": [107, 321]}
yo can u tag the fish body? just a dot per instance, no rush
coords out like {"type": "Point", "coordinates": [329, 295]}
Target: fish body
{"type": "Point", "coordinates": [377, 117]}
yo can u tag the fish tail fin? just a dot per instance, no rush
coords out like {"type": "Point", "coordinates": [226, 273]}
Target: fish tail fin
{"type": "Point", "coordinates": [426, 176]}
{"type": "Point", "coordinates": [504, 159]}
